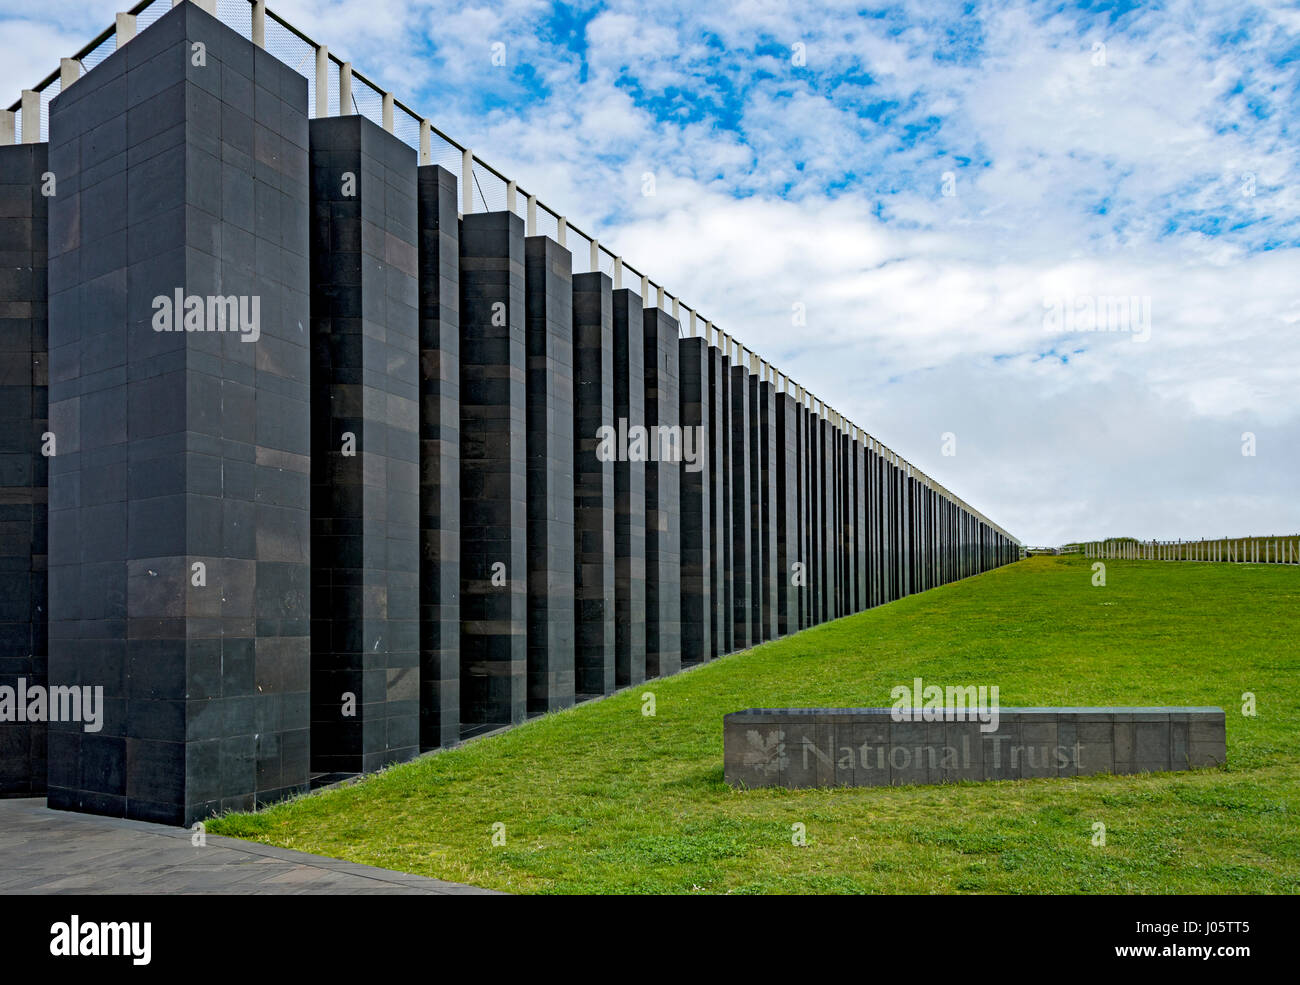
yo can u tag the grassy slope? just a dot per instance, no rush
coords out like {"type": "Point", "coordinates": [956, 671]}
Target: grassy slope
{"type": "Point", "coordinates": [603, 799]}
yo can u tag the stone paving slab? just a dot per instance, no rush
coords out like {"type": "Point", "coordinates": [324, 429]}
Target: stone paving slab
{"type": "Point", "coordinates": [43, 851]}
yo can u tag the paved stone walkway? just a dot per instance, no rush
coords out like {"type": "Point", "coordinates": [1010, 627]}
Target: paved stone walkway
{"type": "Point", "coordinates": [44, 851]}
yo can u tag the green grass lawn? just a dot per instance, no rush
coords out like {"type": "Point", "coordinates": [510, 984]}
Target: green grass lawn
{"type": "Point", "coordinates": [604, 799]}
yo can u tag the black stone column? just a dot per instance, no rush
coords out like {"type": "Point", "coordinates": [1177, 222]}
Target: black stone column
{"type": "Point", "coordinates": [787, 512]}
{"type": "Point", "coordinates": [757, 538]}
{"type": "Point", "coordinates": [849, 525]}
{"type": "Point", "coordinates": [663, 550]}
{"type": "Point", "coordinates": [828, 535]}
{"type": "Point", "coordinates": [593, 480]}
{"type": "Point", "coordinates": [770, 576]}
{"type": "Point", "coordinates": [439, 298]}
{"type": "Point", "coordinates": [697, 606]}
{"type": "Point", "coordinates": [179, 534]}
{"type": "Point", "coordinates": [719, 531]}
{"type": "Point", "coordinates": [799, 418]}
{"type": "Point", "coordinates": [629, 491]}
{"type": "Point", "coordinates": [493, 471]}
{"type": "Point", "coordinates": [549, 302]}
{"type": "Point", "coordinates": [860, 523]}
{"type": "Point", "coordinates": [24, 429]}
{"type": "Point", "coordinates": [365, 447]}
{"type": "Point", "coordinates": [742, 537]}
{"type": "Point", "coordinates": [812, 515]}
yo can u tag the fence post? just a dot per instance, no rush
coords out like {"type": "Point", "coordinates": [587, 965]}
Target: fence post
{"type": "Point", "coordinates": [346, 106]}
{"type": "Point", "coordinates": [259, 23]}
{"type": "Point", "coordinates": [323, 83]}
{"type": "Point", "coordinates": [466, 181]}
{"type": "Point", "coordinates": [31, 107]}
{"type": "Point", "coordinates": [125, 26]}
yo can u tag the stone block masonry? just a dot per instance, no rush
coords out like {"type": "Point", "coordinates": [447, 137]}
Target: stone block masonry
{"type": "Point", "coordinates": [24, 414]}
{"type": "Point", "coordinates": [663, 505]}
{"type": "Point", "coordinates": [439, 306]}
{"type": "Point", "coordinates": [548, 285]}
{"type": "Point", "coordinates": [493, 471]}
{"type": "Point", "coordinates": [629, 495]}
{"type": "Point", "coordinates": [697, 493]}
{"type": "Point", "coordinates": [593, 478]}
{"type": "Point", "coordinates": [365, 326]}
{"type": "Point", "coordinates": [179, 544]}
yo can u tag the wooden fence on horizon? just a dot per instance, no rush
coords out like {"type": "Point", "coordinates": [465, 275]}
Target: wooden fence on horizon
{"type": "Point", "coordinates": [1237, 550]}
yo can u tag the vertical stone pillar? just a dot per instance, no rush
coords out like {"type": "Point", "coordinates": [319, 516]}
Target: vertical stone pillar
{"type": "Point", "coordinates": [24, 423]}
{"type": "Point", "coordinates": [757, 540]}
{"type": "Point", "coordinates": [697, 488]}
{"type": "Point", "coordinates": [860, 523]}
{"type": "Point", "coordinates": [720, 531]}
{"type": "Point", "coordinates": [548, 286]}
{"type": "Point", "coordinates": [493, 471]}
{"type": "Point", "coordinates": [799, 419]}
{"type": "Point", "coordinates": [663, 550]}
{"type": "Point", "coordinates": [846, 527]}
{"type": "Point", "coordinates": [770, 582]}
{"type": "Point", "coordinates": [741, 516]}
{"type": "Point", "coordinates": [629, 491]}
{"type": "Point", "coordinates": [439, 300]}
{"type": "Point", "coordinates": [179, 494]}
{"type": "Point", "coordinates": [365, 447]}
{"type": "Point", "coordinates": [873, 524]}
{"type": "Point", "coordinates": [787, 512]}
{"type": "Point", "coordinates": [812, 518]}
{"type": "Point", "coordinates": [828, 534]}
{"type": "Point", "coordinates": [593, 483]}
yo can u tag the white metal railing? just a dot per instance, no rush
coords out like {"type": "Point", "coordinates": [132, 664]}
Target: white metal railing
{"type": "Point", "coordinates": [335, 87]}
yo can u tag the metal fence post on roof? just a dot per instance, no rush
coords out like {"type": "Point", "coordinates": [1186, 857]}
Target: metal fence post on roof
{"type": "Point", "coordinates": [426, 142]}
{"type": "Point", "coordinates": [512, 196]}
{"type": "Point", "coordinates": [259, 23]}
{"type": "Point", "coordinates": [323, 82]}
{"type": "Point", "coordinates": [645, 291]}
{"type": "Point", "coordinates": [562, 231]}
{"type": "Point", "coordinates": [346, 106]}
{"type": "Point", "coordinates": [530, 227]}
{"type": "Point", "coordinates": [124, 28]}
{"type": "Point", "coordinates": [69, 72]}
{"type": "Point", "coordinates": [466, 181]}
{"type": "Point", "coordinates": [618, 273]}
{"type": "Point", "coordinates": [31, 107]}
{"type": "Point", "coordinates": [388, 112]}
{"type": "Point", "coordinates": [595, 256]}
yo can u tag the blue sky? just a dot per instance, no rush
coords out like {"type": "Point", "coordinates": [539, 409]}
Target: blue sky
{"type": "Point", "coordinates": [927, 180]}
